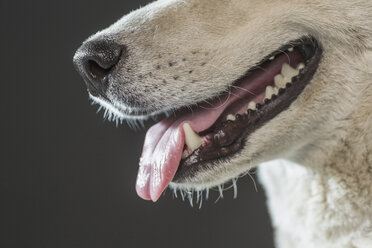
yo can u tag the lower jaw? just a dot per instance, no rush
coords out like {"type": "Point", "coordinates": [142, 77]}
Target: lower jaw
{"type": "Point", "coordinates": [225, 139]}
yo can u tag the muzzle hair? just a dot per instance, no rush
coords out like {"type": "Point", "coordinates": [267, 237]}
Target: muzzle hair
{"type": "Point", "coordinates": [113, 114]}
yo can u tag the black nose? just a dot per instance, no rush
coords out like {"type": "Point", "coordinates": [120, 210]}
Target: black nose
{"type": "Point", "coordinates": [94, 60]}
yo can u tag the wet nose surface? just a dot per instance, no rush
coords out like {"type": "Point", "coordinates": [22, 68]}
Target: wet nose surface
{"type": "Point", "coordinates": [94, 60]}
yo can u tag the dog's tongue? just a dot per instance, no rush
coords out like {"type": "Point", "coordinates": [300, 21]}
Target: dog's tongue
{"type": "Point", "coordinates": [163, 149]}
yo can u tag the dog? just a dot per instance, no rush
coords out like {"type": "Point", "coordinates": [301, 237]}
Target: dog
{"type": "Point", "coordinates": [285, 86]}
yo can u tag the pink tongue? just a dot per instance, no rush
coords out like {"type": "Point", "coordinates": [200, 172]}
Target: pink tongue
{"type": "Point", "coordinates": [163, 149]}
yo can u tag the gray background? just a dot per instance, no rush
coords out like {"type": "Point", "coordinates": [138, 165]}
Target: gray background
{"type": "Point", "coordinates": [67, 177]}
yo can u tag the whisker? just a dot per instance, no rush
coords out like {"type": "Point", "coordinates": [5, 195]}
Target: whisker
{"type": "Point", "coordinates": [289, 59]}
{"type": "Point", "coordinates": [240, 88]}
{"type": "Point", "coordinates": [223, 104]}
{"type": "Point", "coordinates": [254, 182]}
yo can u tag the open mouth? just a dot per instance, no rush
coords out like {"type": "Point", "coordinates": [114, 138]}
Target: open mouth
{"type": "Point", "coordinates": [180, 146]}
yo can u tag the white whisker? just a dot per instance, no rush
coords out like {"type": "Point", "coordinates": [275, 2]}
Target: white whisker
{"type": "Point", "coordinates": [223, 104]}
{"type": "Point", "coordinates": [235, 188]}
{"type": "Point", "coordinates": [254, 182]}
{"type": "Point", "coordinates": [220, 190]}
{"type": "Point", "coordinates": [182, 195]}
{"type": "Point", "coordinates": [201, 201]}
{"type": "Point", "coordinates": [240, 88]}
{"type": "Point", "coordinates": [289, 59]}
{"type": "Point", "coordinates": [190, 195]}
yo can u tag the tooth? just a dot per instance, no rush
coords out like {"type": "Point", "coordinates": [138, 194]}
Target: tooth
{"type": "Point", "coordinates": [300, 66]}
{"type": "Point", "coordinates": [275, 90]}
{"type": "Point", "coordinates": [272, 58]}
{"type": "Point", "coordinates": [192, 139]}
{"type": "Point", "coordinates": [184, 154]}
{"type": "Point", "coordinates": [269, 92]}
{"type": "Point", "coordinates": [230, 117]}
{"type": "Point", "coordinates": [290, 49]}
{"type": "Point", "coordinates": [252, 105]}
{"type": "Point", "coordinates": [279, 81]}
{"type": "Point", "coordinates": [288, 72]}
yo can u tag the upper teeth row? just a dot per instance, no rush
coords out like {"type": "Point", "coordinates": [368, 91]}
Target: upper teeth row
{"type": "Point", "coordinates": [280, 81]}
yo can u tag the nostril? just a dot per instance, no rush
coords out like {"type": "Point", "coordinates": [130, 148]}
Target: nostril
{"type": "Point", "coordinates": [96, 71]}
{"type": "Point", "coordinates": [95, 60]}
{"type": "Point", "coordinates": [102, 58]}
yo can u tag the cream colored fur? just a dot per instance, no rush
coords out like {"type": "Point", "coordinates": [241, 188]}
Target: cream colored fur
{"type": "Point", "coordinates": [183, 52]}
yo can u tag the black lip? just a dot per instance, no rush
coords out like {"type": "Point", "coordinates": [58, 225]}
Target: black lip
{"type": "Point", "coordinates": [235, 133]}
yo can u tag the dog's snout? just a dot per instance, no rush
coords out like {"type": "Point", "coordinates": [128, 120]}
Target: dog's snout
{"type": "Point", "coordinates": [95, 60]}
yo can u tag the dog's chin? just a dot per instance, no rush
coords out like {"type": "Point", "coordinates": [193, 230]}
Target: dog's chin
{"type": "Point", "coordinates": [212, 150]}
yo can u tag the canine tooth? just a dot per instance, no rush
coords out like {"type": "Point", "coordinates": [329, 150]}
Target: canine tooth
{"type": "Point", "coordinates": [288, 72]}
{"type": "Point", "coordinates": [300, 66]}
{"type": "Point", "coordinates": [231, 117]}
{"type": "Point", "coordinates": [192, 139]}
{"type": "Point", "coordinates": [290, 49]}
{"type": "Point", "coordinates": [252, 105]}
{"type": "Point", "coordinates": [269, 92]}
{"type": "Point", "coordinates": [279, 81]}
{"type": "Point", "coordinates": [272, 58]}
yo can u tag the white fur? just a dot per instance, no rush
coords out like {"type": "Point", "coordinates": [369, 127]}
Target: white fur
{"type": "Point", "coordinates": [185, 51]}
